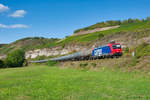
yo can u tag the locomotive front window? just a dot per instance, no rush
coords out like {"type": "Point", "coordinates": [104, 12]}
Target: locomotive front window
{"type": "Point", "coordinates": [116, 46]}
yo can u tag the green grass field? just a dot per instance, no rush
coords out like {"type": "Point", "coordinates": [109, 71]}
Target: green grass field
{"type": "Point", "coordinates": [54, 83]}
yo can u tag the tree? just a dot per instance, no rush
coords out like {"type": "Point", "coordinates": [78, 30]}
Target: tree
{"type": "Point", "coordinates": [1, 64]}
{"type": "Point", "coordinates": [124, 22]}
{"type": "Point", "coordinates": [118, 22]}
{"type": "Point", "coordinates": [148, 19]}
{"type": "Point", "coordinates": [130, 20]}
{"type": "Point", "coordinates": [100, 36]}
{"type": "Point", "coordinates": [15, 58]}
{"type": "Point", "coordinates": [109, 23]}
{"type": "Point", "coordinates": [136, 20]}
{"type": "Point", "coordinates": [143, 20]}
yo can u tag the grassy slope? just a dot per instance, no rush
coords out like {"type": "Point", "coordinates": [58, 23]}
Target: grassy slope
{"type": "Point", "coordinates": [50, 83]}
{"type": "Point", "coordinates": [92, 37]}
{"type": "Point", "coordinates": [2, 45]}
{"type": "Point", "coordinates": [28, 44]}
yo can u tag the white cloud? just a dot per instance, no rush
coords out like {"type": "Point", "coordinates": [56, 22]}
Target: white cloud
{"type": "Point", "coordinates": [18, 13]}
{"type": "Point", "coordinates": [3, 8]}
{"type": "Point", "coordinates": [13, 26]}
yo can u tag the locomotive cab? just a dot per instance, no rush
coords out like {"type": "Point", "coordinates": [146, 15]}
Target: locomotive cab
{"type": "Point", "coordinates": [116, 49]}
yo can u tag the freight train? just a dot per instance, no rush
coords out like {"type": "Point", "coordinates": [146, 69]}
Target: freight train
{"type": "Point", "coordinates": [108, 51]}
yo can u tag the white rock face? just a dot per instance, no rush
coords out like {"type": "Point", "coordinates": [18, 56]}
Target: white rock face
{"type": "Point", "coordinates": [52, 51]}
{"type": "Point", "coordinates": [3, 57]}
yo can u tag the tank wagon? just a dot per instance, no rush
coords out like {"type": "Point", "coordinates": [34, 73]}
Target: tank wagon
{"type": "Point", "coordinates": [111, 50]}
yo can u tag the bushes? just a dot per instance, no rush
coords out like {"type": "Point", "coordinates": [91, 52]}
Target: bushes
{"type": "Point", "coordinates": [1, 64]}
{"type": "Point", "coordinates": [100, 36]}
{"type": "Point", "coordinates": [134, 61]}
{"type": "Point", "coordinates": [94, 64]}
{"type": "Point", "coordinates": [148, 18]}
{"type": "Point", "coordinates": [126, 50]}
{"type": "Point", "coordinates": [40, 58]}
{"type": "Point", "coordinates": [83, 65]}
{"type": "Point", "coordinates": [15, 58]}
{"type": "Point", "coordinates": [142, 50]}
{"type": "Point", "coordinates": [52, 63]}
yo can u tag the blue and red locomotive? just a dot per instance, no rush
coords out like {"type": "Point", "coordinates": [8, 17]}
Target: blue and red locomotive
{"type": "Point", "coordinates": [111, 50]}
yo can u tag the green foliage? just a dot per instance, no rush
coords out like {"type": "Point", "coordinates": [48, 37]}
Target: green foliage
{"type": "Point", "coordinates": [126, 49]}
{"type": "Point", "coordinates": [94, 64]}
{"type": "Point", "coordinates": [15, 59]}
{"type": "Point", "coordinates": [1, 64]}
{"type": "Point", "coordinates": [83, 65]}
{"type": "Point", "coordinates": [124, 22]}
{"type": "Point", "coordinates": [130, 20]}
{"type": "Point", "coordinates": [7, 49]}
{"type": "Point", "coordinates": [142, 50]}
{"type": "Point", "coordinates": [137, 20]}
{"type": "Point", "coordinates": [148, 18]}
{"type": "Point", "coordinates": [63, 45]}
{"type": "Point", "coordinates": [28, 38]}
{"type": "Point", "coordinates": [3, 45]}
{"type": "Point", "coordinates": [51, 63]}
{"type": "Point", "coordinates": [67, 36]}
{"type": "Point", "coordinates": [100, 36]}
{"type": "Point", "coordinates": [133, 62]}
{"type": "Point", "coordinates": [26, 63]}
{"type": "Point", "coordinates": [40, 58]}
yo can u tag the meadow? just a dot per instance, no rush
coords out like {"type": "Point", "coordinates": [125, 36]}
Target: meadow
{"type": "Point", "coordinates": [41, 82]}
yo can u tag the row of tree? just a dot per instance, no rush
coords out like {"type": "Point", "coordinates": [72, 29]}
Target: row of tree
{"type": "Point", "coordinates": [14, 59]}
{"type": "Point", "coordinates": [112, 23]}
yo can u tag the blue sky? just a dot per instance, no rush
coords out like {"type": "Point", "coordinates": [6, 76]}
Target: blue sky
{"type": "Point", "coordinates": [59, 18]}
